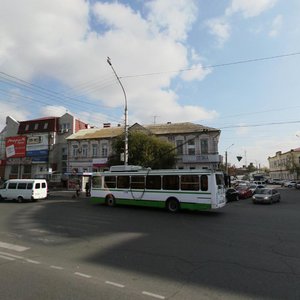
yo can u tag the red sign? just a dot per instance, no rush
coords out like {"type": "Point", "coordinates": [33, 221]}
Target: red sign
{"type": "Point", "coordinates": [15, 146]}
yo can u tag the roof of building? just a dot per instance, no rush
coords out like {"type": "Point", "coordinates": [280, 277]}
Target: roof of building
{"type": "Point", "coordinates": [157, 129]}
{"type": "Point", "coordinates": [175, 128]}
{"type": "Point", "coordinates": [96, 133]}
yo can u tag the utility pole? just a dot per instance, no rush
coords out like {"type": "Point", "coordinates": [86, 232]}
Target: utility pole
{"type": "Point", "coordinates": [125, 113]}
{"type": "Point", "coordinates": [226, 165]}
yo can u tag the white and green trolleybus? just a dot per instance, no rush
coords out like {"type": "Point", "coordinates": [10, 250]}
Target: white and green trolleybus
{"type": "Point", "coordinates": [171, 189]}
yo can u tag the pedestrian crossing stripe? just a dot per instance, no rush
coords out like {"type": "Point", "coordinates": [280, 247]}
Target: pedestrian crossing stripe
{"type": "Point", "coordinates": [13, 247]}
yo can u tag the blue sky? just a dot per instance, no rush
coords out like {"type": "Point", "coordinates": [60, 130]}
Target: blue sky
{"type": "Point", "coordinates": [59, 50]}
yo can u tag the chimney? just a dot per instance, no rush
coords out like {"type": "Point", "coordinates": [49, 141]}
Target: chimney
{"type": "Point", "coordinates": [106, 125]}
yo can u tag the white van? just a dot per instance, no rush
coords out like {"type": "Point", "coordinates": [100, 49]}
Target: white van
{"type": "Point", "coordinates": [24, 189]}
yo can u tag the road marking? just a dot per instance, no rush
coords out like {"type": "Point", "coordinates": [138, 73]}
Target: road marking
{"type": "Point", "coordinates": [83, 275]}
{"type": "Point", "coordinates": [6, 257]}
{"type": "Point", "coordinates": [12, 255]}
{"type": "Point", "coordinates": [33, 261]}
{"type": "Point", "coordinates": [153, 295]}
{"type": "Point", "coordinates": [13, 247]}
{"type": "Point", "coordinates": [57, 267]}
{"type": "Point", "coordinates": [115, 284]}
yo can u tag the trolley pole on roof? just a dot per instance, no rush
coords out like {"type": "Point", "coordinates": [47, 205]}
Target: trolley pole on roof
{"type": "Point", "coordinates": [125, 113]}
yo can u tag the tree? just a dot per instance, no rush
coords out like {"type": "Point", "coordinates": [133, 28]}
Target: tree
{"type": "Point", "coordinates": [292, 166]}
{"type": "Point", "coordinates": [144, 150]}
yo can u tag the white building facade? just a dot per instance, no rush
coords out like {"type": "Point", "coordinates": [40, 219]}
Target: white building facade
{"type": "Point", "coordinates": [196, 145]}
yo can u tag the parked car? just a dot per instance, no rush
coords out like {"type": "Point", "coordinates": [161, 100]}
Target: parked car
{"type": "Point", "coordinates": [276, 181]}
{"type": "Point", "coordinates": [297, 186]}
{"type": "Point", "coordinates": [244, 192]}
{"type": "Point", "coordinates": [266, 195]}
{"type": "Point", "coordinates": [232, 195]}
{"type": "Point", "coordinates": [289, 184]}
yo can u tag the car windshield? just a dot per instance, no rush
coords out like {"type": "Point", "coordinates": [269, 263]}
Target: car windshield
{"type": "Point", "coordinates": [264, 191]}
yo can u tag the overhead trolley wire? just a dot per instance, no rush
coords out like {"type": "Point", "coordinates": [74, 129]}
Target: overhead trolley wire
{"type": "Point", "coordinates": [215, 65]}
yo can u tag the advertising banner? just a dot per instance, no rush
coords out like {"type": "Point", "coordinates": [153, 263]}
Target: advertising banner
{"type": "Point", "coordinates": [37, 145]}
{"type": "Point", "coordinates": [15, 146]}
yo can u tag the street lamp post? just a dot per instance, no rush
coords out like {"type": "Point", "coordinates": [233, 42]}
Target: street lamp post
{"type": "Point", "coordinates": [125, 113]}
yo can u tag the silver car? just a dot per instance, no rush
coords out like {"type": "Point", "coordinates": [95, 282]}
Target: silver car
{"type": "Point", "coordinates": [266, 195]}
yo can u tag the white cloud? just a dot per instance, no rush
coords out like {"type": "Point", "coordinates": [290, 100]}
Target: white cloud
{"type": "Point", "coordinates": [54, 39]}
{"type": "Point", "coordinates": [174, 18]}
{"type": "Point", "coordinates": [53, 111]}
{"type": "Point", "coordinates": [11, 107]}
{"type": "Point", "coordinates": [220, 28]}
{"type": "Point", "coordinates": [276, 26]}
{"type": "Point", "coordinates": [249, 8]}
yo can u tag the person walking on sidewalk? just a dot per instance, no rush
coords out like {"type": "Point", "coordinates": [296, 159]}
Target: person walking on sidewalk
{"type": "Point", "coordinates": [77, 188]}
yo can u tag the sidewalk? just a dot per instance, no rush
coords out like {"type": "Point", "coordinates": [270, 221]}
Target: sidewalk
{"type": "Point", "coordinates": [65, 194]}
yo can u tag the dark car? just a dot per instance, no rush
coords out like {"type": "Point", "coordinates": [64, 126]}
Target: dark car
{"type": "Point", "coordinates": [266, 196]}
{"type": "Point", "coordinates": [232, 195]}
{"type": "Point", "coordinates": [244, 192]}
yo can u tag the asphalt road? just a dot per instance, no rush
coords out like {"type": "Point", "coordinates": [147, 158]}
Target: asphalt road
{"type": "Point", "coordinates": [64, 248]}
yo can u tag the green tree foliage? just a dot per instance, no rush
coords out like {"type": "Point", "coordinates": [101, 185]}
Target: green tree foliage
{"type": "Point", "coordinates": [144, 150]}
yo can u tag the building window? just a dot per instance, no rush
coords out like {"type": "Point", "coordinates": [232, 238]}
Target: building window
{"type": "Point", "coordinates": [179, 147]}
{"type": "Point", "coordinates": [14, 169]}
{"type": "Point", "coordinates": [104, 150]}
{"type": "Point", "coordinates": [85, 150]}
{"type": "Point", "coordinates": [94, 150]}
{"type": "Point", "coordinates": [45, 125]}
{"type": "Point", "coordinates": [27, 127]}
{"type": "Point", "coordinates": [36, 126]}
{"type": "Point", "coordinates": [65, 126]}
{"type": "Point", "coordinates": [191, 147]}
{"type": "Point", "coordinates": [204, 146]}
{"type": "Point", "coordinates": [64, 153]}
{"type": "Point", "coordinates": [27, 169]}
{"type": "Point", "coordinates": [75, 150]}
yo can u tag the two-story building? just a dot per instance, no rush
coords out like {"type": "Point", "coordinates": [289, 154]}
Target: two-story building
{"type": "Point", "coordinates": [37, 148]}
{"type": "Point", "coordinates": [285, 165]}
{"type": "Point", "coordinates": [196, 145]}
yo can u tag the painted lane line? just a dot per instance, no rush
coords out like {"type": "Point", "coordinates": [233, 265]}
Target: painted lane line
{"type": "Point", "coordinates": [33, 261]}
{"type": "Point", "coordinates": [115, 284]}
{"type": "Point", "coordinates": [56, 267]}
{"type": "Point", "coordinates": [153, 295]}
{"type": "Point", "coordinates": [6, 257]}
{"type": "Point", "coordinates": [13, 247]}
{"type": "Point", "coordinates": [83, 275]}
{"type": "Point", "coordinates": [11, 255]}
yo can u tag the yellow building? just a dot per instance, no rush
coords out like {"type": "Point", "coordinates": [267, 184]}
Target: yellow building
{"type": "Point", "coordinates": [285, 165]}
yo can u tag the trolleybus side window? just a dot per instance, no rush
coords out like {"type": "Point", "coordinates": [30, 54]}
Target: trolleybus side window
{"type": "Point", "coordinates": [123, 182]}
{"type": "Point", "coordinates": [110, 182]}
{"type": "Point", "coordinates": [96, 181]}
{"type": "Point", "coordinates": [153, 182]}
{"type": "Point", "coordinates": [137, 182]}
{"type": "Point", "coordinates": [171, 182]}
{"type": "Point", "coordinates": [190, 182]}
{"type": "Point", "coordinates": [204, 183]}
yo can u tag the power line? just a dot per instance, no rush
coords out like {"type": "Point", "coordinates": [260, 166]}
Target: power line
{"type": "Point", "coordinates": [216, 65]}
{"type": "Point", "coordinates": [260, 125]}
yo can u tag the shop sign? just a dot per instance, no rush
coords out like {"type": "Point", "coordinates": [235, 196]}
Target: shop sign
{"type": "Point", "coordinates": [15, 146]}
